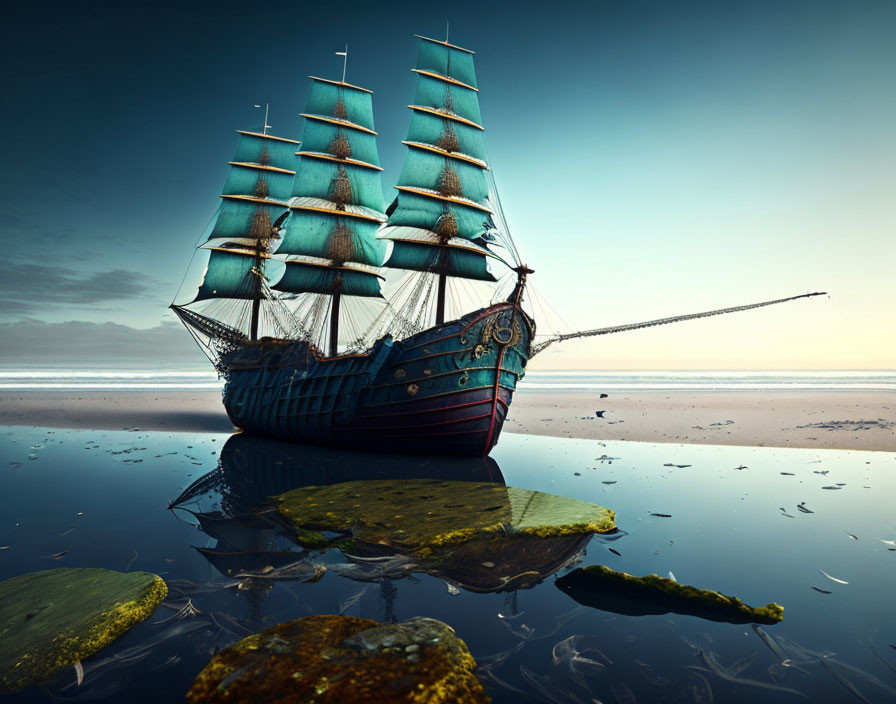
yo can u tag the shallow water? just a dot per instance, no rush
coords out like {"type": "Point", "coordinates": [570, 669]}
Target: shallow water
{"type": "Point", "coordinates": [84, 379]}
{"type": "Point", "coordinates": [104, 496]}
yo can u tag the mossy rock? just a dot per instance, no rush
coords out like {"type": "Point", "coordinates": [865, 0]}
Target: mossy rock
{"type": "Point", "coordinates": [58, 617]}
{"type": "Point", "coordinates": [622, 593]}
{"type": "Point", "coordinates": [419, 515]}
{"type": "Point", "coordinates": [336, 659]}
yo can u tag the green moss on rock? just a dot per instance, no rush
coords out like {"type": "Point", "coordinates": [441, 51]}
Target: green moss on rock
{"type": "Point", "coordinates": [609, 590]}
{"type": "Point", "coordinates": [336, 659]}
{"type": "Point", "coordinates": [310, 539]}
{"type": "Point", "coordinates": [58, 617]}
{"type": "Point", "coordinates": [425, 514]}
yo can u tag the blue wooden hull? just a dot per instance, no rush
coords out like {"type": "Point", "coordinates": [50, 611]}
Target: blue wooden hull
{"type": "Point", "coordinates": [445, 390]}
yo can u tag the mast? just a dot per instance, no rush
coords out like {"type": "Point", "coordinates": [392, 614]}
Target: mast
{"type": "Point", "coordinates": [258, 268]}
{"type": "Point", "coordinates": [337, 202]}
{"type": "Point", "coordinates": [442, 217]}
{"type": "Point", "coordinates": [440, 298]}
{"type": "Point", "coordinates": [334, 324]}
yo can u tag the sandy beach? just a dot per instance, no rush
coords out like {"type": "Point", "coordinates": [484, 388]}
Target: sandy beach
{"type": "Point", "coordinates": [859, 420]}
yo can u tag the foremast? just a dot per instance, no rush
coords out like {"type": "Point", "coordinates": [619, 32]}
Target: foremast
{"type": "Point", "coordinates": [442, 220]}
{"type": "Point", "coordinates": [254, 204]}
{"type": "Point", "coordinates": [337, 202]}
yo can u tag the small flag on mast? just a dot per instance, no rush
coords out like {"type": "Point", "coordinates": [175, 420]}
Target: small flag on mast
{"type": "Point", "coordinates": [344, 55]}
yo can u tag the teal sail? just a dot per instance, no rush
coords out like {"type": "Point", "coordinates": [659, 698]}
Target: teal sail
{"type": "Point", "coordinates": [322, 277]}
{"type": "Point", "coordinates": [342, 101]}
{"type": "Point", "coordinates": [320, 136]}
{"type": "Point", "coordinates": [442, 216]}
{"type": "Point", "coordinates": [244, 220]}
{"type": "Point", "coordinates": [439, 173]}
{"type": "Point", "coordinates": [453, 136]}
{"type": "Point", "coordinates": [459, 260]}
{"type": "Point", "coordinates": [319, 234]}
{"type": "Point", "coordinates": [449, 100]}
{"type": "Point", "coordinates": [447, 60]}
{"type": "Point", "coordinates": [265, 149]}
{"type": "Point", "coordinates": [257, 188]}
{"type": "Point", "coordinates": [337, 197]}
{"type": "Point", "coordinates": [254, 201]}
{"type": "Point", "coordinates": [338, 181]}
{"type": "Point", "coordinates": [230, 274]}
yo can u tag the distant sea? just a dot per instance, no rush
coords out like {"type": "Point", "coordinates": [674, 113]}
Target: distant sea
{"type": "Point", "coordinates": [535, 380]}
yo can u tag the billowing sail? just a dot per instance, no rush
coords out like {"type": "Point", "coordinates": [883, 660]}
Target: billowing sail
{"type": "Point", "coordinates": [442, 217]}
{"type": "Point", "coordinates": [230, 273]}
{"type": "Point", "coordinates": [337, 197]}
{"type": "Point", "coordinates": [307, 275]}
{"type": "Point", "coordinates": [257, 188]}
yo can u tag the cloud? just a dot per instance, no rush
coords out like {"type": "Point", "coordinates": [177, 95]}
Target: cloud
{"type": "Point", "coordinates": [24, 285]}
{"type": "Point", "coordinates": [77, 343]}
{"type": "Point", "coordinates": [31, 240]}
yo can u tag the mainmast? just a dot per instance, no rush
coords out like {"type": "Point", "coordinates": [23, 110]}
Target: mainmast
{"type": "Point", "coordinates": [442, 215]}
{"type": "Point", "coordinates": [254, 198]}
{"type": "Point", "coordinates": [337, 202]}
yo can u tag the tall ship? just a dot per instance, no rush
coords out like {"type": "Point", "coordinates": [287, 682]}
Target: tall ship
{"type": "Point", "coordinates": [336, 319]}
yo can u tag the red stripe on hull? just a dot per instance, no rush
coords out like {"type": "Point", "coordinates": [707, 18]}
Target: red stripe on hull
{"type": "Point", "coordinates": [450, 424]}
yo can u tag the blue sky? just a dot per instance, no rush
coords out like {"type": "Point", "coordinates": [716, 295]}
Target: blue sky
{"type": "Point", "coordinates": [653, 158]}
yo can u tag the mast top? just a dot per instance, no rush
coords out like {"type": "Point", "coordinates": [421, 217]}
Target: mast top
{"type": "Point", "coordinates": [444, 43]}
{"type": "Point", "coordinates": [344, 55]}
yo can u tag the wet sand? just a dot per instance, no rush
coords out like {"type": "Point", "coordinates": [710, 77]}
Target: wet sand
{"type": "Point", "coordinates": [845, 420]}
{"type": "Point", "coordinates": [859, 420]}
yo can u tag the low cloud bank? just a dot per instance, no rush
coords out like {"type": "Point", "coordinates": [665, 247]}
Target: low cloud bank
{"type": "Point", "coordinates": [32, 343]}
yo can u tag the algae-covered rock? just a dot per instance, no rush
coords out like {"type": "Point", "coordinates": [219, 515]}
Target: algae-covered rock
{"type": "Point", "coordinates": [337, 659]}
{"type": "Point", "coordinates": [418, 515]}
{"type": "Point", "coordinates": [57, 617]}
{"type": "Point", "coordinates": [622, 593]}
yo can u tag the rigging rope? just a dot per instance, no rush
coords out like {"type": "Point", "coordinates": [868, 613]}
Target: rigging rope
{"type": "Point", "coordinates": [664, 321]}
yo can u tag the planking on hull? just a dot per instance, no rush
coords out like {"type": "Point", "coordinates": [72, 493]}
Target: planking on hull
{"type": "Point", "coordinates": [445, 390]}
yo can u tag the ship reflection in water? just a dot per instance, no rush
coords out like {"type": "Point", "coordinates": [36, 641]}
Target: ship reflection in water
{"type": "Point", "coordinates": [383, 518]}
{"type": "Point", "coordinates": [547, 590]}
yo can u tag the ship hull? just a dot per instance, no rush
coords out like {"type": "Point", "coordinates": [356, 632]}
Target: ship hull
{"type": "Point", "coordinates": [445, 390]}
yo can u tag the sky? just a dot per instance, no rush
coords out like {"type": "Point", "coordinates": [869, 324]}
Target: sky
{"type": "Point", "coordinates": [653, 159]}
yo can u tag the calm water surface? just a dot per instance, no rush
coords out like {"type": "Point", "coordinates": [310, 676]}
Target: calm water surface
{"type": "Point", "coordinates": [734, 526]}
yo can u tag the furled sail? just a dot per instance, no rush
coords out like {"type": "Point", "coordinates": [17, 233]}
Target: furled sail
{"type": "Point", "coordinates": [337, 198]}
{"type": "Point", "coordinates": [442, 217]}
